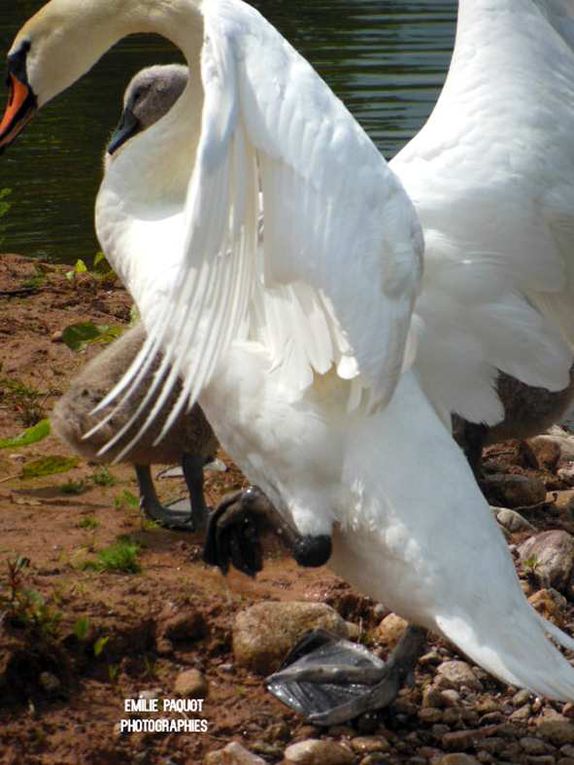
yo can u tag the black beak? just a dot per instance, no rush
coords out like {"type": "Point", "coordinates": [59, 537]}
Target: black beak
{"type": "Point", "coordinates": [128, 127]}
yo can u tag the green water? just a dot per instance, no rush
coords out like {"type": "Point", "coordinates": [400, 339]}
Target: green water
{"type": "Point", "coordinates": [386, 60]}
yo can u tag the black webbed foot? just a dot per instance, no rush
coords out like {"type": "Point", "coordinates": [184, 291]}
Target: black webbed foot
{"type": "Point", "coordinates": [182, 515]}
{"type": "Point", "coordinates": [234, 529]}
{"type": "Point", "coordinates": [233, 532]}
{"type": "Point", "coordinates": [330, 680]}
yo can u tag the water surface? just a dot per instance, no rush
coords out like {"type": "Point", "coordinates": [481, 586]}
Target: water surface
{"type": "Point", "coordinates": [386, 60]}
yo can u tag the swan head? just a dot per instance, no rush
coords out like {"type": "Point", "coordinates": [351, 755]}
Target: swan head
{"type": "Point", "coordinates": [149, 96]}
{"type": "Point", "coordinates": [56, 47]}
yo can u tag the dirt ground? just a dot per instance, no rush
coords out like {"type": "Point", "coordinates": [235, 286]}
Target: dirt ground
{"type": "Point", "coordinates": [85, 639]}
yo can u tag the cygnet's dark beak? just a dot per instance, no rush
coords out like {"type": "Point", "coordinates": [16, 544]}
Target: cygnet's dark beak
{"type": "Point", "coordinates": [128, 127]}
{"type": "Point", "coordinates": [21, 107]}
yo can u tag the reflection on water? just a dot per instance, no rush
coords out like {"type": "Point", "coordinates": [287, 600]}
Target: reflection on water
{"type": "Point", "coordinates": [387, 61]}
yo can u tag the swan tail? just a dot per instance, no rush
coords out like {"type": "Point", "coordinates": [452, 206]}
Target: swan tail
{"type": "Point", "coordinates": [519, 652]}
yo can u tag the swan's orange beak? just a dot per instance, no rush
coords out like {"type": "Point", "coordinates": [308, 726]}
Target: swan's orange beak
{"type": "Point", "coordinates": [21, 108]}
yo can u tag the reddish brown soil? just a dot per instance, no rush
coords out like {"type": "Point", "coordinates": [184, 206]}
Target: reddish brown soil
{"type": "Point", "coordinates": [77, 721]}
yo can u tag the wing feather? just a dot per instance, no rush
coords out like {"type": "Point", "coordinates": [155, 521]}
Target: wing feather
{"type": "Point", "coordinates": [333, 279]}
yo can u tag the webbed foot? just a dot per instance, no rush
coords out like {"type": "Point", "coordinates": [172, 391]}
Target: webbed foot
{"type": "Point", "coordinates": [234, 529]}
{"type": "Point", "coordinates": [330, 680]}
{"type": "Point", "coordinates": [182, 515]}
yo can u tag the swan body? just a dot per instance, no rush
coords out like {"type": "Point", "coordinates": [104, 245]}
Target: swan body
{"type": "Point", "coordinates": [300, 350]}
{"type": "Point", "coordinates": [149, 96]}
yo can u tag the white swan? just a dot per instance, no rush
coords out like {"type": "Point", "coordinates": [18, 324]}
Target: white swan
{"type": "Point", "coordinates": [149, 96]}
{"type": "Point", "coordinates": [298, 352]}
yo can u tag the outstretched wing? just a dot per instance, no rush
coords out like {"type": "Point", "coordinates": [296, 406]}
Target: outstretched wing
{"type": "Point", "coordinates": [492, 178]}
{"type": "Point", "coordinates": [341, 245]}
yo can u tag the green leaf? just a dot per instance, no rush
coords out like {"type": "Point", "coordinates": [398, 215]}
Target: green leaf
{"type": "Point", "coordinates": [78, 336]}
{"type": "Point", "coordinates": [82, 628]}
{"type": "Point", "coordinates": [30, 436]}
{"type": "Point", "coordinates": [48, 466]}
{"type": "Point", "coordinates": [100, 644]}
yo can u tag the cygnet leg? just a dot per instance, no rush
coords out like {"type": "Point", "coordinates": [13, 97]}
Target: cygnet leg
{"type": "Point", "coordinates": [182, 520]}
{"type": "Point", "coordinates": [193, 472]}
{"type": "Point", "coordinates": [330, 680]}
{"type": "Point", "coordinates": [234, 529]}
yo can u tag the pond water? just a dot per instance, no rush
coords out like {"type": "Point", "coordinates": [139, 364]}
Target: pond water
{"type": "Point", "coordinates": [387, 60]}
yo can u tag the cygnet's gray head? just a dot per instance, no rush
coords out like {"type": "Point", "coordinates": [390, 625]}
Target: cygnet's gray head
{"type": "Point", "coordinates": [149, 96]}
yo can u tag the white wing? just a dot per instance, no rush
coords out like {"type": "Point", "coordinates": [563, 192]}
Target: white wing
{"type": "Point", "coordinates": [492, 177]}
{"type": "Point", "coordinates": [340, 260]}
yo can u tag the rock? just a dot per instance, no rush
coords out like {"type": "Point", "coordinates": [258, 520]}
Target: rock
{"type": "Point", "coordinates": [521, 697]}
{"type": "Point", "coordinates": [369, 744]}
{"type": "Point", "coordinates": [514, 490]}
{"type": "Point", "coordinates": [175, 625]}
{"type": "Point", "coordinates": [547, 605]}
{"type": "Point", "coordinates": [565, 761]}
{"type": "Point", "coordinates": [233, 754]}
{"type": "Point", "coordinates": [315, 751]}
{"type": "Point", "coordinates": [430, 715]}
{"type": "Point", "coordinates": [565, 441]}
{"type": "Point", "coordinates": [458, 759]}
{"type": "Point", "coordinates": [191, 684]}
{"type": "Point", "coordinates": [522, 714]}
{"type": "Point", "coordinates": [552, 554]}
{"type": "Point", "coordinates": [391, 630]}
{"type": "Point", "coordinates": [547, 451]}
{"type": "Point", "coordinates": [459, 674]}
{"type": "Point", "coordinates": [265, 633]}
{"type": "Point", "coordinates": [533, 745]}
{"type": "Point", "coordinates": [49, 682]}
{"type": "Point", "coordinates": [512, 521]}
{"type": "Point", "coordinates": [556, 729]}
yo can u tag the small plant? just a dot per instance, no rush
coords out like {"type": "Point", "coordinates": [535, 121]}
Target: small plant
{"type": "Point", "coordinates": [89, 522]}
{"type": "Point", "coordinates": [100, 270]}
{"type": "Point", "coordinates": [530, 567]}
{"type": "Point", "coordinates": [113, 673]}
{"type": "Point", "coordinates": [27, 402]}
{"type": "Point", "coordinates": [122, 556]}
{"type": "Point", "coordinates": [5, 205]}
{"type": "Point", "coordinates": [48, 466]}
{"type": "Point", "coordinates": [126, 500]}
{"type": "Point", "coordinates": [150, 665]}
{"type": "Point", "coordinates": [100, 645]}
{"type": "Point", "coordinates": [102, 477]}
{"type": "Point", "coordinates": [82, 628]}
{"type": "Point", "coordinates": [78, 336]}
{"type": "Point", "coordinates": [73, 487]}
{"type": "Point", "coordinates": [25, 607]}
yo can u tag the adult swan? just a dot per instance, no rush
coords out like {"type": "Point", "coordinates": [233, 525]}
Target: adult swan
{"type": "Point", "coordinates": [299, 351]}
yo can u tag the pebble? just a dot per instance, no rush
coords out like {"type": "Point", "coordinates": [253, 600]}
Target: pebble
{"type": "Point", "coordinates": [374, 759]}
{"type": "Point", "coordinates": [430, 715]}
{"type": "Point", "coordinates": [233, 754]}
{"type": "Point", "coordinates": [459, 674]}
{"type": "Point", "coordinates": [521, 697]}
{"type": "Point", "coordinates": [547, 450]}
{"type": "Point", "coordinates": [177, 626]}
{"type": "Point", "coordinates": [458, 759]}
{"type": "Point", "coordinates": [512, 521]}
{"type": "Point", "coordinates": [565, 761]}
{"type": "Point", "coordinates": [191, 684]}
{"type": "Point", "coordinates": [533, 745]}
{"type": "Point", "coordinates": [265, 633]}
{"type": "Point", "coordinates": [49, 682]}
{"type": "Point", "coordinates": [545, 759]}
{"type": "Point", "coordinates": [547, 605]}
{"type": "Point", "coordinates": [318, 752]}
{"type": "Point", "coordinates": [522, 714]}
{"type": "Point", "coordinates": [391, 629]}
{"type": "Point", "coordinates": [557, 729]}
{"type": "Point", "coordinates": [567, 750]}
{"type": "Point", "coordinates": [553, 552]}
{"type": "Point", "coordinates": [515, 490]}
{"type": "Point", "coordinates": [369, 744]}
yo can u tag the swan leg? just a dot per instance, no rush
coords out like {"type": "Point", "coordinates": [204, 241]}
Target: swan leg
{"type": "Point", "coordinates": [331, 681]}
{"type": "Point", "coordinates": [179, 516]}
{"type": "Point", "coordinates": [193, 472]}
{"type": "Point", "coordinates": [234, 529]}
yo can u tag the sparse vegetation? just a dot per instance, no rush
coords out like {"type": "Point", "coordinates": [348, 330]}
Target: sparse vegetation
{"type": "Point", "coordinates": [73, 487]}
{"type": "Point", "coordinates": [122, 557]}
{"type": "Point", "coordinates": [89, 522]}
{"type": "Point", "coordinates": [103, 477]}
{"type": "Point", "coordinates": [48, 466]}
{"type": "Point", "coordinates": [23, 606]}
{"type": "Point", "coordinates": [26, 402]}
{"type": "Point", "coordinates": [126, 500]}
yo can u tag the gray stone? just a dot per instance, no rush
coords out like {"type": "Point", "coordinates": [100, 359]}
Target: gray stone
{"type": "Point", "coordinates": [369, 744]}
{"type": "Point", "coordinates": [557, 729]}
{"type": "Point", "coordinates": [265, 633]}
{"type": "Point", "coordinates": [512, 521]}
{"type": "Point", "coordinates": [459, 674]}
{"type": "Point", "coordinates": [458, 758]}
{"type": "Point", "coordinates": [316, 751]}
{"type": "Point", "coordinates": [533, 745]}
{"type": "Point", "coordinates": [191, 684]}
{"type": "Point", "coordinates": [233, 754]}
{"type": "Point", "coordinates": [553, 556]}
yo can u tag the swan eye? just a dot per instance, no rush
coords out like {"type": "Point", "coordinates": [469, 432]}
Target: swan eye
{"type": "Point", "coordinates": [17, 62]}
